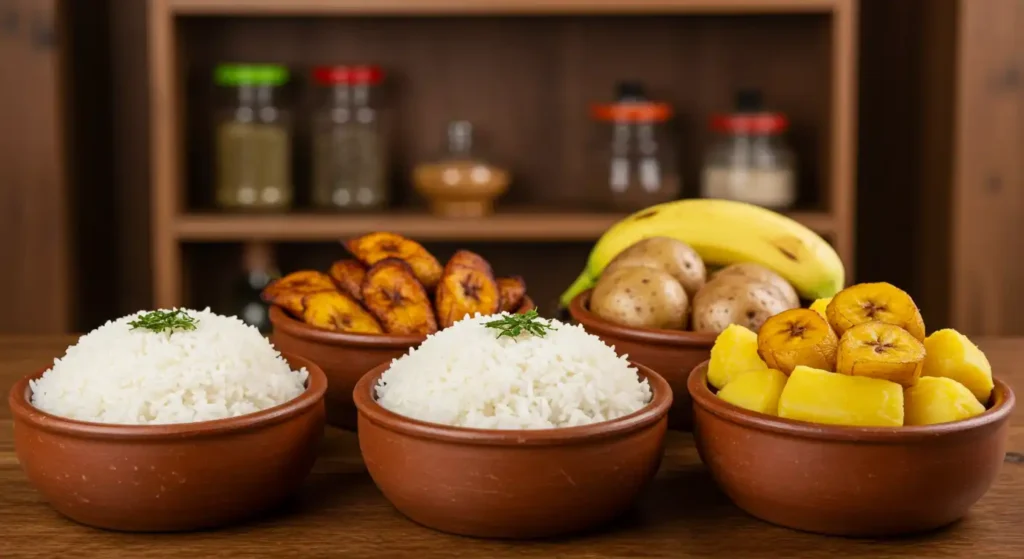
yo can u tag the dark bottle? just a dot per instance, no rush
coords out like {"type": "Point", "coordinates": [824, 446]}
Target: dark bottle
{"type": "Point", "coordinates": [259, 270]}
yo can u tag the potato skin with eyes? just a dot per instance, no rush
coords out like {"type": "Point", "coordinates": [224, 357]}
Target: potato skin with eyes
{"type": "Point", "coordinates": [640, 297]}
{"type": "Point", "coordinates": [729, 300]}
{"type": "Point", "coordinates": [666, 254]}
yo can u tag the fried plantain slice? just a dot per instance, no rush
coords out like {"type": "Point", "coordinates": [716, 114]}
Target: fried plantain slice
{"type": "Point", "coordinates": [527, 305]}
{"type": "Point", "coordinates": [374, 247]}
{"type": "Point", "coordinates": [287, 292]}
{"type": "Point", "coordinates": [467, 287]}
{"type": "Point", "coordinates": [512, 290]}
{"type": "Point", "coordinates": [348, 276]}
{"type": "Point", "coordinates": [339, 312]}
{"type": "Point", "coordinates": [398, 300]}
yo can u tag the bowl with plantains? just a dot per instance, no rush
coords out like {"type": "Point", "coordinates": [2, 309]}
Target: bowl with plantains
{"type": "Point", "coordinates": [847, 419]}
{"type": "Point", "coordinates": [377, 304]}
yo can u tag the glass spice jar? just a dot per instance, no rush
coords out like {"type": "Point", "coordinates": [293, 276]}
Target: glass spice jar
{"type": "Point", "coordinates": [350, 141]}
{"type": "Point", "coordinates": [635, 161]}
{"type": "Point", "coordinates": [253, 139]}
{"type": "Point", "coordinates": [750, 161]}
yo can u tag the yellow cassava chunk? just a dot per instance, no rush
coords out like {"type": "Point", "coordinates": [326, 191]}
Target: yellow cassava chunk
{"type": "Point", "coordinates": [950, 354]}
{"type": "Point", "coordinates": [820, 305]}
{"type": "Point", "coordinates": [734, 353]}
{"type": "Point", "coordinates": [938, 400]}
{"type": "Point", "coordinates": [822, 397]}
{"type": "Point", "coordinates": [755, 391]}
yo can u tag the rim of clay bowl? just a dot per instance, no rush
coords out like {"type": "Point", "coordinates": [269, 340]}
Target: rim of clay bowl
{"type": "Point", "coordinates": [697, 385]}
{"type": "Point", "coordinates": [579, 309]}
{"type": "Point", "coordinates": [281, 320]}
{"type": "Point", "coordinates": [21, 409]}
{"type": "Point", "coordinates": [654, 411]}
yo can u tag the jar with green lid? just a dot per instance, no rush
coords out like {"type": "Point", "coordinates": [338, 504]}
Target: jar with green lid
{"type": "Point", "coordinates": [253, 139]}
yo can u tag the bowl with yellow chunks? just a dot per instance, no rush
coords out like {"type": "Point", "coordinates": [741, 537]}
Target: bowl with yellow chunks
{"type": "Point", "coordinates": [845, 418]}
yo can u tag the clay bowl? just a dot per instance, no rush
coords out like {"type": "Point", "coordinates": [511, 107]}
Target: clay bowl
{"type": "Point", "coordinates": [849, 481]}
{"type": "Point", "coordinates": [343, 357]}
{"type": "Point", "coordinates": [164, 478]}
{"type": "Point", "coordinates": [511, 484]}
{"type": "Point", "coordinates": [672, 353]}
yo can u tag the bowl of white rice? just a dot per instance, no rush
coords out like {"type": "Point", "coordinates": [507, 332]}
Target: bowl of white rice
{"type": "Point", "coordinates": [169, 420]}
{"type": "Point", "coordinates": [512, 427]}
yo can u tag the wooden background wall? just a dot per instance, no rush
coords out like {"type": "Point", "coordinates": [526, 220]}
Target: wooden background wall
{"type": "Point", "coordinates": [940, 186]}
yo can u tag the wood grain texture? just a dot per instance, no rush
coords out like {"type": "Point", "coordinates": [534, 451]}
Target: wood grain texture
{"type": "Point", "coordinates": [341, 513]}
{"type": "Point", "coordinates": [988, 190]}
{"type": "Point", "coordinates": [34, 204]}
{"type": "Point", "coordinates": [435, 7]}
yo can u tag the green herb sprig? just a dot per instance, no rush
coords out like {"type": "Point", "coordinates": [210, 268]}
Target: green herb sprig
{"type": "Point", "coordinates": [161, 321]}
{"type": "Point", "coordinates": [515, 324]}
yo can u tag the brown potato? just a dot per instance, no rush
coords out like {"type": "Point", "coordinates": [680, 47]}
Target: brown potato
{"type": "Point", "coordinates": [348, 276]}
{"type": "Point", "coordinates": [736, 300]}
{"type": "Point", "coordinates": [397, 299]}
{"type": "Point", "coordinates": [666, 254]}
{"type": "Point", "coordinates": [334, 310]}
{"type": "Point", "coordinates": [467, 287]}
{"type": "Point", "coordinates": [640, 297]}
{"type": "Point", "coordinates": [527, 305]}
{"type": "Point", "coordinates": [761, 274]}
{"type": "Point", "coordinates": [374, 247]}
{"type": "Point", "coordinates": [512, 291]}
{"type": "Point", "coordinates": [288, 292]}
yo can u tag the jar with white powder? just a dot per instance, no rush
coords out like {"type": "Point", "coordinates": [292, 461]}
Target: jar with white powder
{"type": "Point", "coordinates": [750, 161]}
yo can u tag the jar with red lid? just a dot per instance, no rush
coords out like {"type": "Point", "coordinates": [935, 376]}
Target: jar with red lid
{"type": "Point", "coordinates": [634, 165]}
{"type": "Point", "coordinates": [350, 140]}
{"type": "Point", "coordinates": [750, 161]}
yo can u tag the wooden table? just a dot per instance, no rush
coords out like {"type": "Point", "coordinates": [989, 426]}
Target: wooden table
{"type": "Point", "coordinates": [340, 513]}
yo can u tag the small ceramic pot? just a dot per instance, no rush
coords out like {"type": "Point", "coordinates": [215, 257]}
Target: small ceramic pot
{"type": "Point", "coordinates": [343, 357]}
{"type": "Point", "coordinates": [162, 478]}
{"type": "Point", "coordinates": [671, 353]}
{"type": "Point", "coordinates": [511, 484]}
{"type": "Point", "coordinates": [849, 481]}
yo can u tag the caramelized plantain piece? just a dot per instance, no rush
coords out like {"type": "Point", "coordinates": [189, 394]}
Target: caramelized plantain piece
{"type": "Point", "coordinates": [374, 247]}
{"type": "Point", "coordinates": [348, 276]}
{"type": "Point", "coordinates": [527, 305]}
{"type": "Point", "coordinates": [288, 292]}
{"type": "Point", "coordinates": [336, 311]}
{"type": "Point", "coordinates": [512, 291]}
{"type": "Point", "coordinates": [397, 299]}
{"type": "Point", "coordinates": [467, 287]}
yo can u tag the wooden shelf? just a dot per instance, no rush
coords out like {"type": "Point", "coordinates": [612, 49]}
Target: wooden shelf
{"type": "Point", "coordinates": [511, 226]}
{"type": "Point", "coordinates": [493, 7]}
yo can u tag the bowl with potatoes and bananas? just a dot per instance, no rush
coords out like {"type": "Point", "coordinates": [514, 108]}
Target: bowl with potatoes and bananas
{"type": "Point", "coordinates": [657, 303]}
{"type": "Point", "coordinates": [847, 418]}
{"type": "Point", "coordinates": [376, 305]}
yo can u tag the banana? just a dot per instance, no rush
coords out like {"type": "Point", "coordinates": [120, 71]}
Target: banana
{"type": "Point", "coordinates": [724, 232]}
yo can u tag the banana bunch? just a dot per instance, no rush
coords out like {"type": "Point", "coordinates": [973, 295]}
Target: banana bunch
{"type": "Point", "coordinates": [724, 232]}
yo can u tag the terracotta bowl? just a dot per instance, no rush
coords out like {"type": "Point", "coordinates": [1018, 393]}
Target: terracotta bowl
{"type": "Point", "coordinates": [849, 481]}
{"type": "Point", "coordinates": [343, 357]}
{"type": "Point", "coordinates": [162, 478]}
{"type": "Point", "coordinates": [672, 353]}
{"type": "Point", "coordinates": [511, 484]}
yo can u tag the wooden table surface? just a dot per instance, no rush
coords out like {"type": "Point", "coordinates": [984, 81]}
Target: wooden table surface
{"type": "Point", "coordinates": [340, 513]}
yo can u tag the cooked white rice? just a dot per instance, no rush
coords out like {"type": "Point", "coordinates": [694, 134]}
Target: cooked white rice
{"type": "Point", "coordinates": [467, 376]}
{"type": "Point", "coordinates": [116, 374]}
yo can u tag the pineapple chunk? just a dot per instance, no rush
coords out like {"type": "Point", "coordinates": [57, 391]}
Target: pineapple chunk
{"type": "Point", "coordinates": [822, 397]}
{"type": "Point", "coordinates": [950, 354]}
{"type": "Point", "coordinates": [819, 306]}
{"type": "Point", "coordinates": [939, 400]}
{"type": "Point", "coordinates": [755, 391]}
{"type": "Point", "coordinates": [734, 353]}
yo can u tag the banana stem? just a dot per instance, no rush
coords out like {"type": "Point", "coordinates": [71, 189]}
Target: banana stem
{"type": "Point", "coordinates": [582, 283]}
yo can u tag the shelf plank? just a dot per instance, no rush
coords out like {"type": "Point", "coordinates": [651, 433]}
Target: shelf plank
{"type": "Point", "coordinates": [493, 7]}
{"type": "Point", "coordinates": [508, 226]}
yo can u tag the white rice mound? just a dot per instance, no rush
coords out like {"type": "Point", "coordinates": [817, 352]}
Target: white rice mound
{"type": "Point", "coordinates": [466, 376]}
{"type": "Point", "coordinates": [116, 374]}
